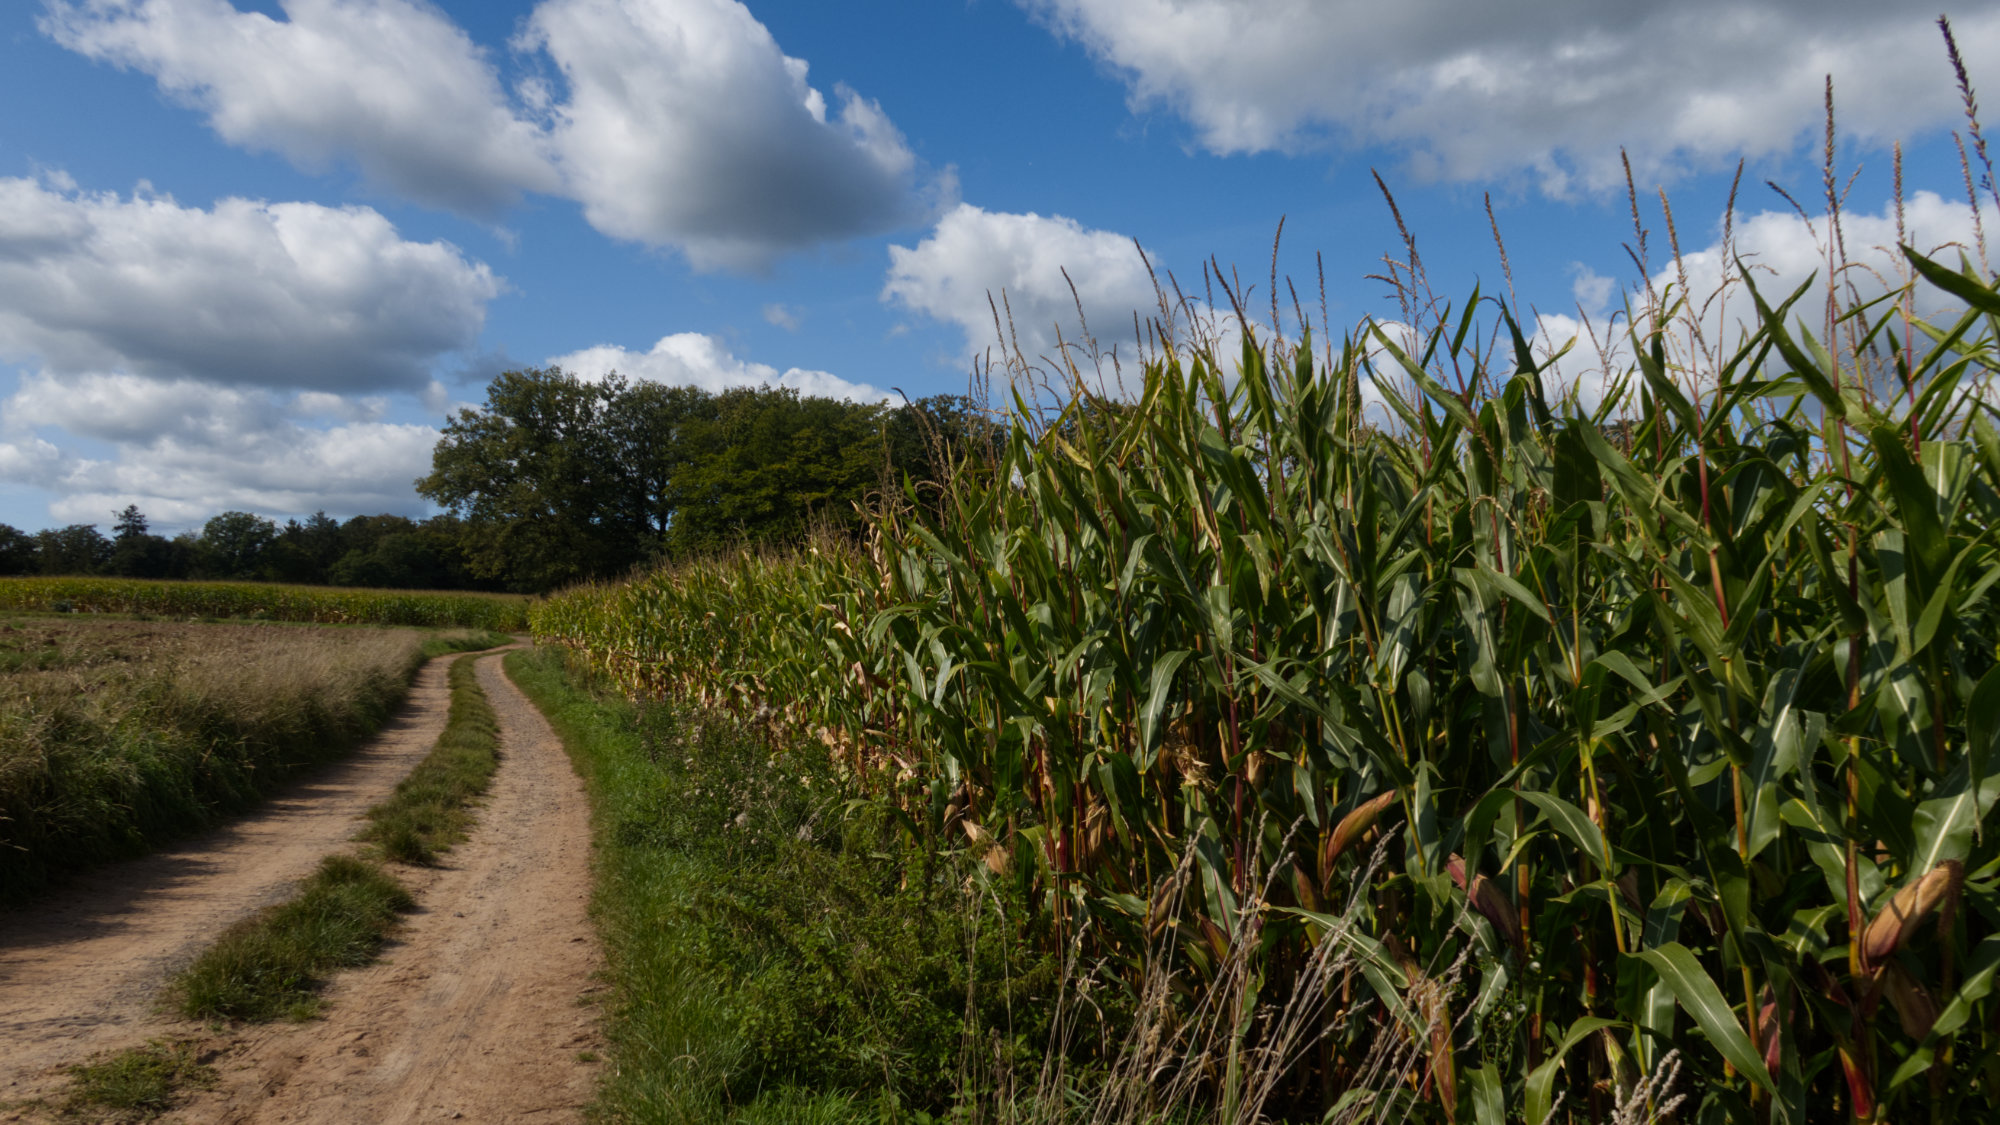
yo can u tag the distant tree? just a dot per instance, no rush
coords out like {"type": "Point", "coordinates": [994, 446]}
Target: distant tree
{"type": "Point", "coordinates": [398, 561]}
{"type": "Point", "coordinates": [77, 549]}
{"type": "Point", "coordinates": [362, 533]}
{"type": "Point", "coordinates": [304, 551]}
{"type": "Point", "coordinates": [320, 535]}
{"type": "Point", "coordinates": [170, 558]}
{"type": "Point", "coordinates": [287, 560]}
{"type": "Point", "coordinates": [131, 524]}
{"type": "Point", "coordinates": [20, 553]}
{"type": "Point", "coordinates": [147, 556]}
{"type": "Point", "coordinates": [137, 553]}
{"type": "Point", "coordinates": [233, 545]}
{"type": "Point", "coordinates": [382, 551]}
{"type": "Point", "coordinates": [445, 537]}
{"type": "Point", "coordinates": [188, 546]}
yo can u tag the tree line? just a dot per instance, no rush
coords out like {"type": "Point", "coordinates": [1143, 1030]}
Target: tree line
{"type": "Point", "coordinates": [556, 479]}
{"type": "Point", "coordinates": [383, 551]}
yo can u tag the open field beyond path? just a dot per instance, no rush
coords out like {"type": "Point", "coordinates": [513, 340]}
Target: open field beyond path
{"type": "Point", "coordinates": [476, 1011]}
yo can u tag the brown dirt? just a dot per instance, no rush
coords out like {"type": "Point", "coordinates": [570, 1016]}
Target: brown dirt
{"type": "Point", "coordinates": [479, 1011]}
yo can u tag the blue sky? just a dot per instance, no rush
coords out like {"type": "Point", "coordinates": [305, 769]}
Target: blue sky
{"type": "Point", "coordinates": [252, 253]}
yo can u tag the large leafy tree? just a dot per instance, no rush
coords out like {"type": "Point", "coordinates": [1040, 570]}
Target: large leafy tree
{"type": "Point", "coordinates": [547, 493]}
{"type": "Point", "coordinates": [233, 545]}
{"type": "Point", "coordinates": [653, 428]}
{"type": "Point", "coordinates": [767, 462]}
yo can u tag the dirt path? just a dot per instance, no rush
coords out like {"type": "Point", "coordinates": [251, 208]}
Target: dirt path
{"type": "Point", "coordinates": [481, 1011]}
{"type": "Point", "coordinates": [478, 1012]}
{"type": "Point", "coordinates": [79, 970]}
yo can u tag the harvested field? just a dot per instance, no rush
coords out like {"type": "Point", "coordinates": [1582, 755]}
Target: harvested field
{"type": "Point", "coordinates": [118, 734]}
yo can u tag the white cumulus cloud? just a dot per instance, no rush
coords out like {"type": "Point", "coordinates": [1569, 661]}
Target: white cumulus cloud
{"type": "Point", "coordinates": [246, 293]}
{"type": "Point", "coordinates": [1782, 251]}
{"type": "Point", "coordinates": [1550, 89]}
{"type": "Point", "coordinates": [975, 261]}
{"type": "Point", "coordinates": [186, 450]}
{"type": "Point", "coordinates": [692, 359]}
{"type": "Point", "coordinates": [677, 124]}
{"type": "Point", "coordinates": [686, 125]}
{"type": "Point", "coordinates": [392, 85]}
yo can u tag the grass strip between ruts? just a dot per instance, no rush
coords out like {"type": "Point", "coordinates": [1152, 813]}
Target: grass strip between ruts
{"type": "Point", "coordinates": [432, 808]}
{"type": "Point", "coordinates": [273, 964]}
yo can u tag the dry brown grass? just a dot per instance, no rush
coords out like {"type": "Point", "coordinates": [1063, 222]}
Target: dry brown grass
{"type": "Point", "coordinates": [115, 734]}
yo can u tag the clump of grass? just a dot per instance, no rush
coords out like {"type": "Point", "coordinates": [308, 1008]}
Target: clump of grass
{"type": "Point", "coordinates": [432, 808]}
{"type": "Point", "coordinates": [447, 641]}
{"type": "Point", "coordinates": [137, 1084]}
{"type": "Point", "coordinates": [274, 964]}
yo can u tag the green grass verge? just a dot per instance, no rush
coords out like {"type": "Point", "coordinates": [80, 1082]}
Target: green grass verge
{"type": "Point", "coordinates": [274, 964]}
{"type": "Point", "coordinates": [138, 1084]}
{"type": "Point", "coordinates": [777, 953]}
{"type": "Point", "coordinates": [432, 808]}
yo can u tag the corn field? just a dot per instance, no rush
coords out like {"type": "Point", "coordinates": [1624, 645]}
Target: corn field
{"type": "Point", "coordinates": [1605, 732]}
{"type": "Point", "coordinates": [322, 605]}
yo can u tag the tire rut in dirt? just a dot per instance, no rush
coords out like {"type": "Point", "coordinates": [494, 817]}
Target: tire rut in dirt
{"type": "Point", "coordinates": [480, 1010]}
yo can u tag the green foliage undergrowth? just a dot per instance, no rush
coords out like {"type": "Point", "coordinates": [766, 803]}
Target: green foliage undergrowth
{"type": "Point", "coordinates": [779, 952]}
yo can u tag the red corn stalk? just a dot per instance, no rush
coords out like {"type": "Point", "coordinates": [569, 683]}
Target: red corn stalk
{"type": "Point", "coordinates": [1860, 1090]}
